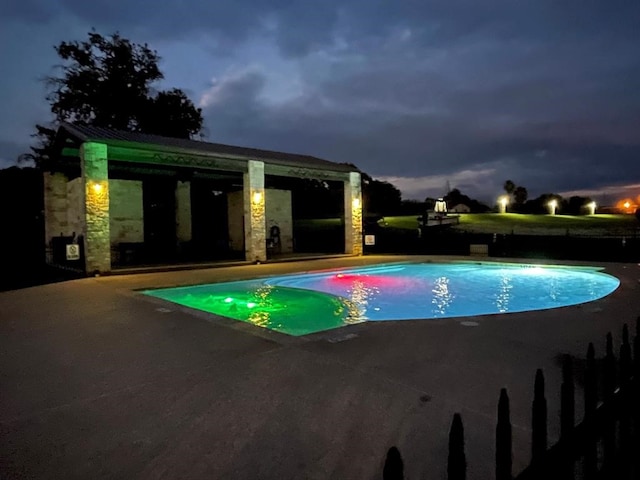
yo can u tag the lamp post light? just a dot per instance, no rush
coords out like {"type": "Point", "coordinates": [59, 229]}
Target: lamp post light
{"type": "Point", "coordinates": [553, 204]}
{"type": "Point", "coordinates": [591, 208]}
{"type": "Point", "coordinates": [440, 206]}
{"type": "Point", "coordinates": [502, 204]}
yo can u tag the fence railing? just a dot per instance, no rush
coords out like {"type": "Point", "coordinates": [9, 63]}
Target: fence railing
{"type": "Point", "coordinates": [604, 445]}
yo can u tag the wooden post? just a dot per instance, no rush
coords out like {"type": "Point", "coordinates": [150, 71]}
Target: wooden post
{"type": "Point", "coordinates": [590, 404]}
{"type": "Point", "coordinates": [625, 405]}
{"type": "Point", "coordinates": [503, 439]}
{"type": "Point", "coordinates": [457, 463]}
{"type": "Point", "coordinates": [625, 357]}
{"type": "Point", "coordinates": [538, 418]}
{"type": "Point", "coordinates": [609, 436]}
{"type": "Point", "coordinates": [393, 466]}
{"type": "Point", "coordinates": [636, 352]}
{"type": "Point", "coordinates": [567, 416]}
{"type": "Point", "coordinates": [567, 398]}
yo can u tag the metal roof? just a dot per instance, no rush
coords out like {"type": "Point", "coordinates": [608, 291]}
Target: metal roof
{"type": "Point", "coordinates": [109, 136]}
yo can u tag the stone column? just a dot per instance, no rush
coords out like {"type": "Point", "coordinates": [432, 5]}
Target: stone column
{"type": "Point", "coordinates": [183, 212]}
{"type": "Point", "coordinates": [353, 214]}
{"type": "Point", "coordinates": [97, 240]}
{"type": "Point", "coordinates": [255, 235]}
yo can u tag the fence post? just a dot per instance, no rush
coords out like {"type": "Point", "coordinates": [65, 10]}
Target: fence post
{"type": "Point", "coordinates": [636, 352]}
{"type": "Point", "coordinates": [625, 357]}
{"type": "Point", "coordinates": [625, 404]}
{"type": "Point", "coordinates": [590, 404]}
{"type": "Point", "coordinates": [635, 400]}
{"type": "Point", "coordinates": [457, 462]}
{"type": "Point", "coordinates": [503, 438]}
{"type": "Point", "coordinates": [393, 465]}
{"type": "Point", "coordinates": [538, 418]}
{"type": "Point", "coordinates": [609, 382]}
{"type": "Point", "coordinates": [567, 416]}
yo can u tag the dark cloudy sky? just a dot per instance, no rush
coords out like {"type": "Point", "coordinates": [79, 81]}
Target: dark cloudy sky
{"type": "Point", "coordinates": [417, 92]}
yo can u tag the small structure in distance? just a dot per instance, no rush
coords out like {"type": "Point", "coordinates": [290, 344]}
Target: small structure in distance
{"type": "Point", "coordinates": [439, 216]}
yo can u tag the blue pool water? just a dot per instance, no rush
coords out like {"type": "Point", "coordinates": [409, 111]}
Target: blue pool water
{"type": "Point", "coordinates": [431, 290]}
{"type": "Point", "coordinates": [307, 303]}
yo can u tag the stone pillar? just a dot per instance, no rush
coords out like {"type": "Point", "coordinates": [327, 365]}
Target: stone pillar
{"type": "Point", "coordinates": [97, 240]}
{"type": "Point", "coordinates": [255, 236]}
{"type": "Point", "coordinates": [183, 212]}
{"type": "Point", "coordinates": [353, 214]}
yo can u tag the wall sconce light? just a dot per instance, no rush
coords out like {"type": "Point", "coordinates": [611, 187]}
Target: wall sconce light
{"type": "Point", "coordinates": [97, 187]}
{"type": "Point", "coordinates": [256, 198]}
{"type": "Point", "coordinates": [356, 203]}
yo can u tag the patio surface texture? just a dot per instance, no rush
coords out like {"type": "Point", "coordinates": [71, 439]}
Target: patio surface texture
{"type": "Point", "coordinates": [99, 381]}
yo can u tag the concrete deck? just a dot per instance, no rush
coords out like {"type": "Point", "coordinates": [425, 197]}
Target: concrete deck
{"type": "Point", "coordinates": [97, 381]}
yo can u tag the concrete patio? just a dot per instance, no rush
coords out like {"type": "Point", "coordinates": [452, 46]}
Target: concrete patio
{"type": "Point", "coordinates": [98, 381]}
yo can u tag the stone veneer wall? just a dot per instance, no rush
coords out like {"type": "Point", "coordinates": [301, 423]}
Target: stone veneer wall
{"type": "Point", "coordinates": [353, 214]}
{"type": "Point", "coordinates": [75, 206]}
{"type": "Point", "coordinates": [56, 222]}
{"type": "Point", "coordinates": [255, 241]}
{"type": "Point", "coordinates": [183, 212]}
{"type": "Point", "coordinates": [235, 213]}
{"type": "Point", "coordinates": [278, 212]}
{"type": "Point", "coordinates": [278, 205]}
{"type": "Point", "coordinates": [126, 220]}
{"type": "Point", "coordinates": [97, 237]}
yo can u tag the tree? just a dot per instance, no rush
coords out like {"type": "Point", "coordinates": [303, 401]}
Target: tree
{"type": "Point", "coordinates": [381, 198]}
{"type": "Point", "coordinates": [509, 187]}
{"type": "Point", "coordinates": [576, 205]}
{"type": "Point", "coordinates": [520, 195]}
{"type": "Point", "coordinates": [108, 82]}
{"type": "Point", "coordinates": [541, 204]}
{"type": "Point", "coordinates": [455, 197]}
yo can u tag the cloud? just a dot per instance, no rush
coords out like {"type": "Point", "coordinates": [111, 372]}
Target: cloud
{"type": "Point", "coordinates": [544, 93]}
{"type": "Point", "coordinates": [469, 182]}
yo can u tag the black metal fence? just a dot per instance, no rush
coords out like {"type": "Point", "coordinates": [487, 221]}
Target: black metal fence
{"type": "Point", "coordinates": [433, 241]}
{"type": "Point", "coordinates": [604, 445]}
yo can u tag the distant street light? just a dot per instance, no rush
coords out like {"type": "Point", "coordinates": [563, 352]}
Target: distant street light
{"type": "Point", "coordinates": [591, 208]}
{"type": "Point", "coordinates": [553, 204]}
{"type": "Point", "coordinates": [502, 204]}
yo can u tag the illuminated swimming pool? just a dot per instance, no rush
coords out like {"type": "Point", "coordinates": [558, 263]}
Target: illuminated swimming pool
{"type": "Point", "coordinates": [312, 302]}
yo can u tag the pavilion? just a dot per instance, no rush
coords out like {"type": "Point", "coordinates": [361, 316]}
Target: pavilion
{"type": "Point", "coordinates": [121, 197]}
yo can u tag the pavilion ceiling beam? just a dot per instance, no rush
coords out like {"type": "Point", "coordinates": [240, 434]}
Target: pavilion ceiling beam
{"type": "Point", "coordinates": [304, 172]}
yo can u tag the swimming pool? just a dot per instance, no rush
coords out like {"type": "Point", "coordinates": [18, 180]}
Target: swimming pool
{"type": "Point", "coordinates": [312, 302]}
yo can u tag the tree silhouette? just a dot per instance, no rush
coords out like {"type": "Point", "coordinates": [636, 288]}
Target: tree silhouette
{"type": "Point", "coordinates": [108, 82]}
{"type": "Point", "coordinates": [520, 195]}
{"type": "Point", "coordinates": [509, 187]}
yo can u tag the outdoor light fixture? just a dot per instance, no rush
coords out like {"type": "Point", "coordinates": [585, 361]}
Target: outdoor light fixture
{"type": "Point", "coordinates": [97, 187]}
{"type": "Point", "coordinates": [627, 205]}
{"type": "Point", "coordinates": [257, 198]}
{"type": "Point", "coordinates": [553, 204]}
{"type": "Point", "coordinates": [440, 206]}
{"type": "Point", "coordinates": [591, 206]}
{"type": "Point", "coordinates": [502, 202]}
{"type": "Point", "coordinates": [356, 203]}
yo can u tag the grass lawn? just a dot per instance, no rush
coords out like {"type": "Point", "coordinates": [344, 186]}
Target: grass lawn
{"type": "Point", "coordinates": [549, 224]}
{"type": "Point", "coordinates": [522, 224]}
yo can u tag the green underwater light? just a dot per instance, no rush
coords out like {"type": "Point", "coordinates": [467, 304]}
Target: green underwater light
{"type": "Point", "coordinates": [287, 310]}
